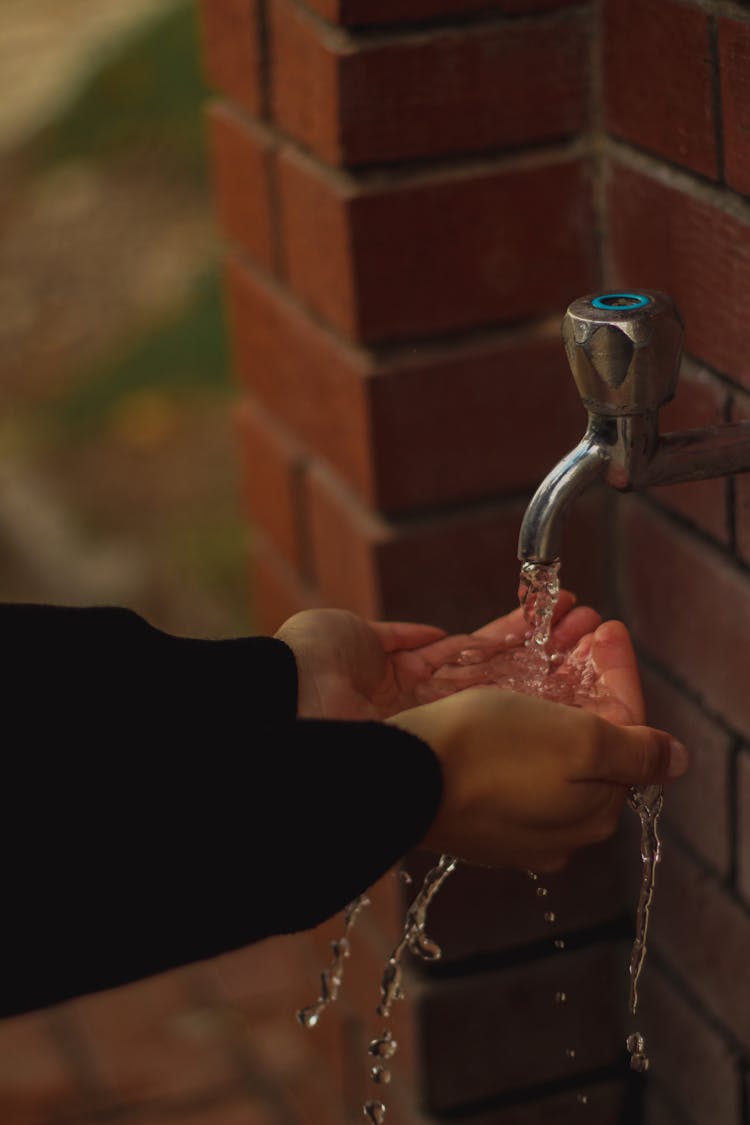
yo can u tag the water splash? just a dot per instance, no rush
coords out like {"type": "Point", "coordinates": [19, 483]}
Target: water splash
{"type": "Point", "coordinates": [529, 665]}
{"type": "Point", "coordinates": [636, 1047]}
{"type": "Point", "coordinates": [414, 936]}
{"type": "Point", "coordinates": [332, 977]}
{"type": "Point", "coordinates": [374, 1112]}
{"type": "Point", "coordinates": [384, 1047]}
{"type": "Point", "coordinates": [648, 804]}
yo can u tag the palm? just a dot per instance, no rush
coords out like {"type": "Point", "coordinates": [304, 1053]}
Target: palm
{"type": "Point", "coordinates": [353, 669]}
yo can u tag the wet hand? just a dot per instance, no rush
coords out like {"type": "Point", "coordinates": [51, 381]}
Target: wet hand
{"type": "Point", "coordinates": [526, 781]}
{"type": "Point", "coordinates": [349, 668]}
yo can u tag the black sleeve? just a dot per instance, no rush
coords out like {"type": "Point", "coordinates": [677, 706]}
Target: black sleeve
{"type": "Point", "coordinates": [162, 804]}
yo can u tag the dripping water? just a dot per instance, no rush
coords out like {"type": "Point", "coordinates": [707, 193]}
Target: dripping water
{"type": "Point", "coordinates": [414, 937]}
{"type": "Point", "coordinates": [331, 978]}
{"type": "Point", "coordinates": [648, 804]}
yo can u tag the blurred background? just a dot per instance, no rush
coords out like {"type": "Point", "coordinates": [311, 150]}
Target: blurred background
{"type": "Point", "coordinates": [117, 474]}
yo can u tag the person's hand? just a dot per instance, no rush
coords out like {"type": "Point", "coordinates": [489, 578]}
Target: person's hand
{"type": "Point", "coordinates": [526, 781]}
{"type": "Point", "coordinates": [349, 668]}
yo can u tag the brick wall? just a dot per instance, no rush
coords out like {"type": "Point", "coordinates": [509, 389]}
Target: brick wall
{"type": "Point", "coordinates": [411, 193]}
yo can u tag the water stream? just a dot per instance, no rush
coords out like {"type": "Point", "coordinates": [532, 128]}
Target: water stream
{"type": "Point", "coordinates": [532, 668]}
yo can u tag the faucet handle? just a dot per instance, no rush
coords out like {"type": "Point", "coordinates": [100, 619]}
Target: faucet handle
{"type": "Point", "coordinates": [624, 350]}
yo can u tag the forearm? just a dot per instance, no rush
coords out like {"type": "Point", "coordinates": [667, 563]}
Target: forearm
{"type": "Point", "coordinates": [138, 838]}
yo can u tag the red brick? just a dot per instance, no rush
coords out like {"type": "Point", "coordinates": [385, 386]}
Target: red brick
{"type": "Point", "coordinates": [354, 12]}
{"type": "Point", "coordinates": [658, 86]}
{"type": "Point", "coordinates": [232, 50]}
{"type": "Point", "coordinates": [457, 571]}
{"type": "Point", "coordinates": [241, 159]}
{"type": "Point", "coordinates": [346, 539]}
{"type": "Point", "coordinates": [707, 782]}
{"type": "Point", "coordinates": [741, 413]}
{"type": "Point", "coordinates": [278, 591]}
{"type": "Point", "coordinates": [497, 1032]}
{"type": "Point", "coordinates": [456, 424]}
{"type": "Point", "coordinates": [265, 976]}
{"type": "Point", "coordinates": [36, 1084]}
{"type": "Point", "coordinates": [664, 239]}
{"type": "Point", "coordinates": [660, 1111]}
{"type": "Point", "coordinates": [734, 48]}
{"type": "Point", "coordinates": [743, 842]}
{"type": "Point", "coordinates": [427, 426]}
{"type": "Point", "coordinates": [437, 253]}
{"type": "Point", "coordinates": [692, 1060]}
{"type": "Point", "coordinates": [689, 606]}
{"type": "Point", "coordinates": [273, 463]}
{"type": "Point", "coordinates": [481, 911]}
{"type": "Point", "coordinates": [700, 401]}
{"type": "Point", "coordinates": [152, 1039]}
{"type": "Point", "coordinates": [302, 374]}
{"type": "Point", "coordinates": [247, 1111]}
{"type": "Point", "coordinates": [603, 1105]}
{"type": "Point", "coordinates": [480, 88]}
{"type": "Point", "coordinates": [704, 935]}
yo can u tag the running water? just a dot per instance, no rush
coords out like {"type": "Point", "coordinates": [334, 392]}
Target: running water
{"type": "Point", "coordinates": [648, 804]}
{"type": "Point", "coordinates": [414, 937]}
{"type": "Point", "coordinates": [529, 665]}
{"type": "Point", "coordinates": [533, 667]}
{"type": "Point", "coordinates": [331, 978]}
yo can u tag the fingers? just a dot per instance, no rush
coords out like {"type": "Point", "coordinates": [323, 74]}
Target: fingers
{"type": "Point", "coordinates": [575, 625]}
{"type": "Point", "coordinates": [395, 635]}
{"type": "Point", "coordinates": [617, 669]}
{"type": "Point", "coordinates": [630, 756]}
{"type": "Point", "coordinates": [514, 624]}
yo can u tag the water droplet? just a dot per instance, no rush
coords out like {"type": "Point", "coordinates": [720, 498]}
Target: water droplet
{"type": "Point", "coordinates": [635, 1043]}
{"type": "Point", "coordinates": [308, 1017]}
{"type": "Point", "coordinates": [380, 1075]}
{"type": "Point", "coordinates": [341, 948]}
{"type": "Point", "coordinates": [561, 997]}
{"type": "Point", "coordinates": [385, 1047]}
{"type": "Point", "coordinates": [559, 943]}
{"type": "Point", "coordinates": [582, 1099]}
{"type": "Point", "coordinates": [374, 1112]}
{"type": "Point", "coordinates": [570, 1052]}
{"type": "Point", "coordinates": [639, 1063]}
{"type": "Point", "coordinates": [550, 916]}
{"type": "Point", "coordinates": [532, 875]}
{"type": "Point", "coordinates": [542, 892]}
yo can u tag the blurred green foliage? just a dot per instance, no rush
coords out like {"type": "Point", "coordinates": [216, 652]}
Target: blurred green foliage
{"type": "Point", "coordinates": [184, 356]}
{"type": "Point", "coordinates": [146, 99]}
{"type": "Point", "coordinates": [147, 96]}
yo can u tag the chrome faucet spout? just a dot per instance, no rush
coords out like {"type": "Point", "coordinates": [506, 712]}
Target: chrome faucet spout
{"type": "Point", "coordinates": [624, 350]}
{"type": "Point", "coordinates": [543, 523]}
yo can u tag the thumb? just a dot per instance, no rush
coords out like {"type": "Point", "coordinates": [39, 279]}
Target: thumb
{"type": "Point", "coordinates": [640, 756]}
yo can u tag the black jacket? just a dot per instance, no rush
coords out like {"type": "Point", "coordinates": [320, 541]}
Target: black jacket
{"type": "Point", "coordinates": [161, 803]}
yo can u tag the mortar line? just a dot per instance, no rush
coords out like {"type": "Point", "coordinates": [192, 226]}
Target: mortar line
{"type": "Point", "coordinates": [686, 689]}
{"type": "Point", "coordinates": [526, 1095]}
{"type": "Point", "coordinates": [733, 814]}
{"type": "Point", "coordinates": [679, 178]}
{"type": "Point", "coordinates": [355, 36]}
{"type": "Point", "coordinates": [682, 987]}
{"type": "Point", "coordinates": [678, 520]}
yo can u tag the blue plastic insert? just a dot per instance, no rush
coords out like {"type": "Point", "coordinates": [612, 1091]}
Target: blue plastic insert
{"type": "Point", "coordinates": [621, 301]}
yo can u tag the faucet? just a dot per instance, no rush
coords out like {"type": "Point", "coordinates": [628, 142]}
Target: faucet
{"type": "Point", "coordinates": [624, 350]}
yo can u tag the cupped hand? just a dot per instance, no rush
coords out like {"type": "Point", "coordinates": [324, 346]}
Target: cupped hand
{"type": "Point", "coordinates": [527, 781]}
{"type": "Point", "coordinates": [349, 668]}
